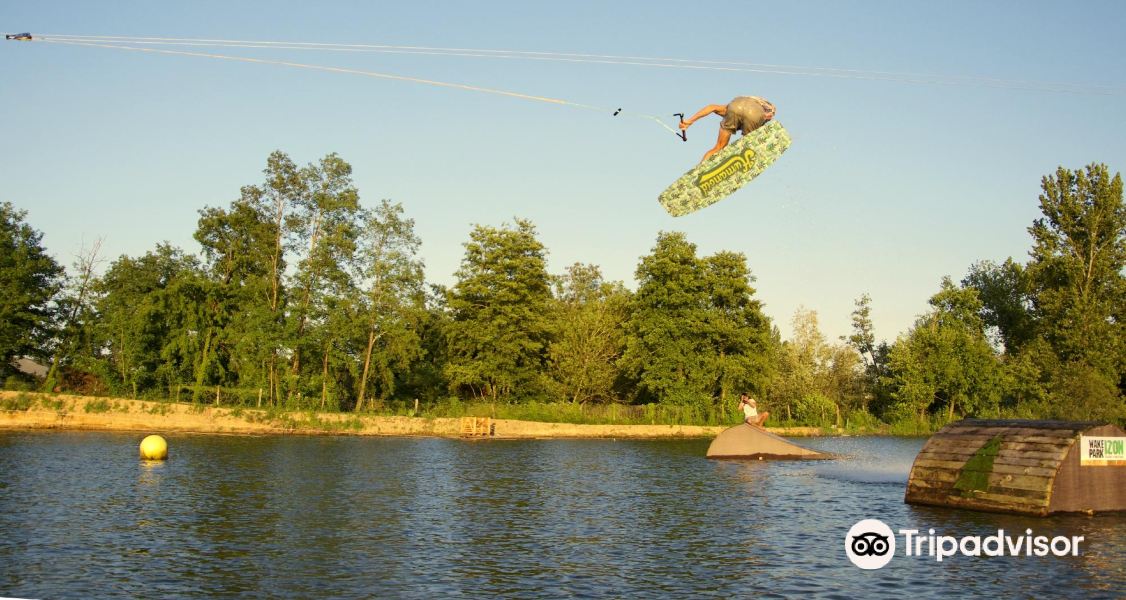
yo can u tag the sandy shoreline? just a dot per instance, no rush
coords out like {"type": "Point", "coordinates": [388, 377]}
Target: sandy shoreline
{"type": "Point", "coordinates": [22, 410]}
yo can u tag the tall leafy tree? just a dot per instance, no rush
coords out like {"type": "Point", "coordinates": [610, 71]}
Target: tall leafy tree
{"type": "Point", "coordinates": [427, 378]}
{"type": "Point", "coordinates": [1006, 302]}
{"type": "Point", "coordinates": [738, 330]}
{"type": "Point", "coordinates": [667, 348]}
{"type": "Point", "coordinates": [945, 362]}
{"type": "Point", "coordinates": [863, 337]}
{"type": "Point", "coordinates": [75, 312]}
{"type": "Point", "coordinates": [246, 247]}
{"type": "Point", "coordinates": [196, 351]}
{"type": "Point", "coordinates": [696, 334]}
{"type": "Point", "coordinates": [393, 301]}
{"type": "Point", "coordinates": [139, 306]}
{"type": "Point", "coordinates": [499, 331]}
{"type": "Point", "coordinates": [29, 280]}
{"type": "Point", "coordinates": [873, 356]}
{"type": "Point", "coordinates": [238, 245]}
{"type": "Point", "coordinates": [1076, 271]}
{"type": "Point", "coordinates": [589, 338]}
{"type": "Point", "coordinates": [816, 380]}
{"type": "Point", "coordinates": [325, 224]}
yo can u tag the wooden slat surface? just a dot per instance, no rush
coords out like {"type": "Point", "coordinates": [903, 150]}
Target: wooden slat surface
{"type": "Point", "coordinates": [992, 496]}
{"type": "Point", "coordinates": [1005, 455]}
{"type": "Point", "coordinates": [927, 469]}
{"type": "Point", "coordinates": [1022, 473]}
{"type": "Point", "coordinates": [984, 501]}
{"type": "Point", "coordinates": [1024, 424]}
{"type": "Point", "coordinates": [1018, 485]}
{"type": "Point", "coordinates": [961, 441]}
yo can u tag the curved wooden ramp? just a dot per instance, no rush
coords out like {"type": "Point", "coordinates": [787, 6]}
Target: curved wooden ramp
{"type": "Point", "coordinates": [744, 441]}
{"type": "Point", "coordinates": [1025, 467]}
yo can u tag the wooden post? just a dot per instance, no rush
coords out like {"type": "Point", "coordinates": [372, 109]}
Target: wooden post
{"type": "Point", "coordinates": [476, 426]}
{"type": "Point", "coordinates": [216, 395]}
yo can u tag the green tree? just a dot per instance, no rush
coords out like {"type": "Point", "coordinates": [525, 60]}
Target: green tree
{"type": "Point", "coordinates": [393, 303]}
{"type": "Point", "coordinates": [945, 362]}
{"type": "Point", "coordinates": [667, 347]}
{"type": "Point", "coordinates": [75, 312]}
{"type": "Point", "coordinates": [238, 246]}
{"type": "Point", "coordinates": [246, 248]}
{"type": "Point", "coordinates": [816, 380]}
{"type": "Point", "coordinates": [589, 338]}
{"type": "Point", "coordinates": [696, 334]}
{"type": "Point", "coordinates": [873, 395]}
{"type": "Point", "coordinates": [737, 328]}
{"type": "Point", "coordinates": [1076, 271]}
{"type": "Point", "coordinates": [29, 280]}
{"type": "Point", "coordinates": [197, 313]}
{"type": "Point", "coordinates": [325, 223]}
{"type": "Point", "coordinates": [426, 379]}
{"type": "Point", "coordinates": [138, 305]}
{"type": "Point", "coordinates": [1006, 302]}
{"type": "Point", "coordinates": [863, 337]}
{"type": "Point", "coordinates": [499, 331]}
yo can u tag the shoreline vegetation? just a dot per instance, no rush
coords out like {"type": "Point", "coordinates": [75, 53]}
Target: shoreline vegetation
{"type": "Point", "coordinates": [301, 305]}
{"type": "Point", "coordinates": [64, 412]}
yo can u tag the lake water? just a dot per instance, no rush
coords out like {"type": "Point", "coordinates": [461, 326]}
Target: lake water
{"type": "Point", "coordinates": [285, 516]}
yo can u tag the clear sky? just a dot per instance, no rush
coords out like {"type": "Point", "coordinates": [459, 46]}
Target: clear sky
{"type": "Point", "coordinates": [889, 185]}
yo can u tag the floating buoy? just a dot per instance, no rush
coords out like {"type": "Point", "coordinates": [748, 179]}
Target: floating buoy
{"type": "Point", "coordinates": [154, 447]}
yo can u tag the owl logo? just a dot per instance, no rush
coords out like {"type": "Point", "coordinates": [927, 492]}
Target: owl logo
{"type": "Point", "coordinates": [870, 544]}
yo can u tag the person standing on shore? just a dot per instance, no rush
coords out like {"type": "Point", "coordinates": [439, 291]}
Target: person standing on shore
{"type": "Point", "coordinates": [751, 416]}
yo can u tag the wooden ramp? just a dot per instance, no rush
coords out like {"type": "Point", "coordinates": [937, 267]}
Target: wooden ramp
{"type": "Point", "coordinates": [744, 441]}
{"type": "Point", "coordinates": [1024, 467]}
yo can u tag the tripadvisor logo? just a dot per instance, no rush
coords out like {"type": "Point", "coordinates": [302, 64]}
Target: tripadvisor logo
{"type": "Point", "coordinates": [870, 544]}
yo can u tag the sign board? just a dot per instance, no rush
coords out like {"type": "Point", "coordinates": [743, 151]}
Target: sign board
{"type": "Point", "coordinates": [1096, 451]}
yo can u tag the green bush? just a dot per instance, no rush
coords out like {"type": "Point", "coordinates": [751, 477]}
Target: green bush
{"type": "Point", "coordinates": [862, 421]}
{"type": "Point", "coordinates": [914, 426]}
{"type": "Point", "coordinates": [100, 405]}
{"type": "Point", "coordinates": [20, 401]}
{"type": "Point", "coordinates": [816, 410]}
{"type": "Point", "coordinates": [16, 383]}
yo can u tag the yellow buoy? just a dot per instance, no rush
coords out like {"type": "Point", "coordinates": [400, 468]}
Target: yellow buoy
{"type": "Point", "coordinates": [154, 447]}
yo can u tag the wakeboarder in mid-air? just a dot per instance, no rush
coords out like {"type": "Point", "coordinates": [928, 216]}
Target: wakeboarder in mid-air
{"type": "Point", "coordinates": [744, 114]}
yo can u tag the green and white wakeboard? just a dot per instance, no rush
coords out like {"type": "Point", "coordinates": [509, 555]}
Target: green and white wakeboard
{"type": "Point", "coordinates": [726, 171]}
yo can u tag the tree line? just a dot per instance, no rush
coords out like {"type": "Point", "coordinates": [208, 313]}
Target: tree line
{"type": "Point", "coordinates": [301, 298]}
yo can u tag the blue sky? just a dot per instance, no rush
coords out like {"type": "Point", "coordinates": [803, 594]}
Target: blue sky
{"type": "Point", "coordinates": [888, 186]}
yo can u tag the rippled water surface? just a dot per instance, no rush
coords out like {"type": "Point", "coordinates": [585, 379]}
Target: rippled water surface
{"type": "Point", "coordinates": [278, 516]}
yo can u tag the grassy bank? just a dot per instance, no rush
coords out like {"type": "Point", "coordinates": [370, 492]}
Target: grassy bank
{"type": "Point", "coordinates": [66, 408]}
{"type": "Point", "coordinates": [25, 410]}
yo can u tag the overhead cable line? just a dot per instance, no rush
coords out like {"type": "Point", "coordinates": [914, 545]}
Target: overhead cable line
{"type": "Point", "coordinates": [376, 74]}
{"type": "Point", "coordinates": [653, 62]}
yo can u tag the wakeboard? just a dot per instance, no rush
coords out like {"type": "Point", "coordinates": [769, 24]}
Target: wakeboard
{"type": "Point", "coordinates": [726, 171]}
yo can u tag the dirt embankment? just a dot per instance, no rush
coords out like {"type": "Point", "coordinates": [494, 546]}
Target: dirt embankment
{"type": "Point", "coordinates": [21, 410]}
{"type": "Point", "coordinates": [36, 411]}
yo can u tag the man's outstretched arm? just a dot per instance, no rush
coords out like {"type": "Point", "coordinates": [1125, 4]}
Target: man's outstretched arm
{"type": "Point", "coordinates": [718, 109]}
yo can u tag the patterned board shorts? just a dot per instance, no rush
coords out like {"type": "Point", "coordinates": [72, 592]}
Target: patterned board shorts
{"type": "Point", "coordinates": [747, 113]}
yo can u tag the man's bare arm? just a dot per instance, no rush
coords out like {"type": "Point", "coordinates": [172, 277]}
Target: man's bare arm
{"type": "Point", "coordinates": [719, 109]}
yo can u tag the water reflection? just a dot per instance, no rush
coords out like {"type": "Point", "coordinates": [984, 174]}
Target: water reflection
{"type": "Point", "coordinates": [327, 516]}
